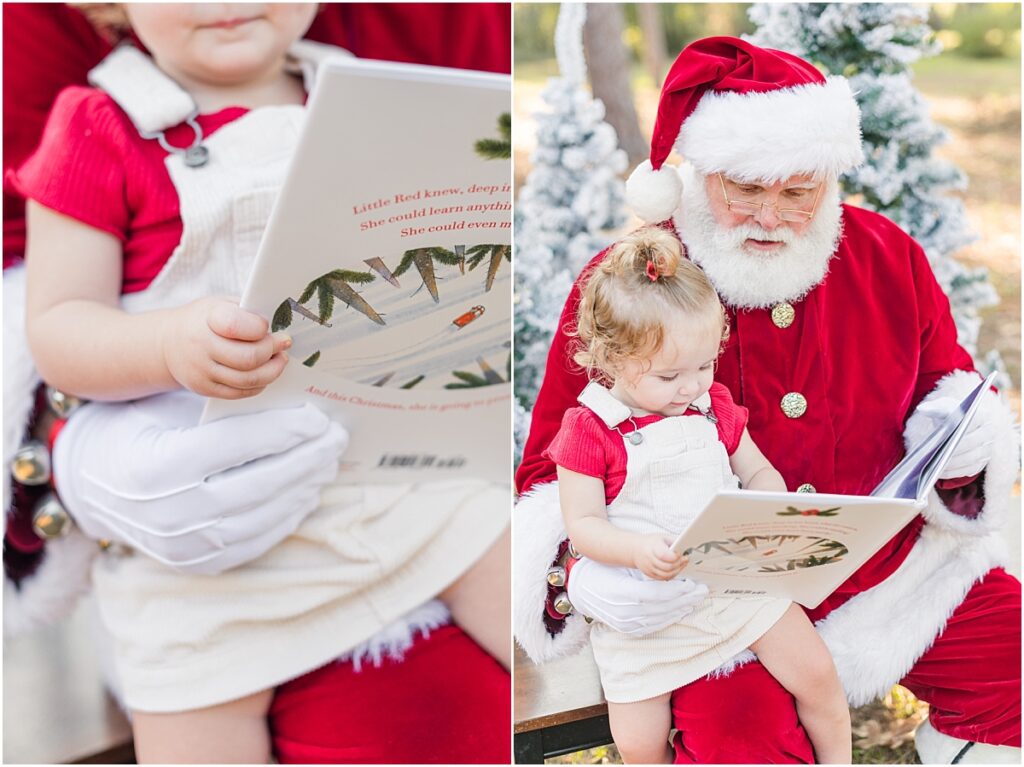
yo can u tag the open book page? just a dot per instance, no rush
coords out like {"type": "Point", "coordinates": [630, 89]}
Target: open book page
{"type": "Point", "coordinates": [800, 546]}
{"type": "Point", "coordinates": [917, 473]}
{"type": "Point", "coordinates": [803, 545]}
{"type": "Point", "coordinates": [388, 260]}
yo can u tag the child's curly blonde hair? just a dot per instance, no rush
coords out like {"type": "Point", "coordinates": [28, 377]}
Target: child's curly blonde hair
{"type": "Point", "coordinates": [631, 296]}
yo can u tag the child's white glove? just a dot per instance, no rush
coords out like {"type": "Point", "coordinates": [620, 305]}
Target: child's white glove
{"type": "Point", "coordinates": [200, 499]}
{"type": "Point", "coordinates": [628, 601]}
{"type": "Point", "coordinates": [975, 449]}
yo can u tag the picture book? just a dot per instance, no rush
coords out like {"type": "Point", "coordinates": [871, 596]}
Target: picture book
{"type": "Point", "coordinates": [802, 546]}
{"type": "Point", "coordinates": [387, 259]}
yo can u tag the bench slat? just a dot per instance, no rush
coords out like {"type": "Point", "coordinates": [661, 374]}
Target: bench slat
{"type": "Point", "coordinates": [56, 709]}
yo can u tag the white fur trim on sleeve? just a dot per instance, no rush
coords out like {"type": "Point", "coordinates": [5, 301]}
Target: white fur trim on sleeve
{"type": "Point", "coordinates": [62, 576]}
{"type": "Point", "coordinates": [20, 377]}
{"type": "Point", "coordinates": [53, 590]}
{"type": "Point", "coordinates": [774, 135]}
{"type": "Point", "coordinates": [653, 194]}
{"type": "Point", "coordinates": [1002, 469]}
{"type": "Point", "coordinates": [924, 591]}
{"type": "Point", "coordinates": [536, 534]}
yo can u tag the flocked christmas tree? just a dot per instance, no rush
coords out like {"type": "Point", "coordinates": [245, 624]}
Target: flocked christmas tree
{"type": "Point", "coordinates": [873, 45]}
{"type": "Point", "coordinates": [571, 198]}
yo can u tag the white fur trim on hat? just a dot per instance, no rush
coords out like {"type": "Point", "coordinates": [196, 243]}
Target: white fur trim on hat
{"type": "Point", "coordinates": [653, 194]}
{"type": "Point", "coordinates": [774, 135]}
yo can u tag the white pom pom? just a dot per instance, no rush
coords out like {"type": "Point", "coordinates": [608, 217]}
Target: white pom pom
{"type": "Point", "coordinates": [653, 194]}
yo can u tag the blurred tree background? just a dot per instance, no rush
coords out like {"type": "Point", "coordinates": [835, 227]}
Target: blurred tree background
{"type": "Point", "coordinates": [972, 89]}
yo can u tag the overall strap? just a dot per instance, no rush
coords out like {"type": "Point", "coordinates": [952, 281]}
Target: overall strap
{"type": "Point", "coordinates": [153, 101]}
{"type": "Point", "coordinates": [600, 401]}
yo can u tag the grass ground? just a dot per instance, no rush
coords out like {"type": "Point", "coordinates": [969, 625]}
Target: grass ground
{"type": "Point", "coordinates": [978, 101]}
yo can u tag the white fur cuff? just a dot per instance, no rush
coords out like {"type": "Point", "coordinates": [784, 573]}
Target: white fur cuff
{"type": "Point", "coordinates": [536, 534]}
{"type": "Point", "coordinates": [1001, 472]}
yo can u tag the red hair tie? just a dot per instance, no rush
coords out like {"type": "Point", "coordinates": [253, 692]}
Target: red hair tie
{"type": "Point", "coordinates": [652, 271]}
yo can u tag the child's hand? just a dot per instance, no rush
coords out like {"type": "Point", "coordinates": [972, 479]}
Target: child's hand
{"type": "Point", "coordinates": [217, 349]}
{"type": "Point", "coordinates": [655, 558]}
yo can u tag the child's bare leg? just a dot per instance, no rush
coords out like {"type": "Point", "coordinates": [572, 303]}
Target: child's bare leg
{"type": "Point", "coordinates": [235, 732]}
{"type": "Point", "coordinates": [481, 603]}
{"type": "Point", "coordinates": [640, 730]}
{"type": "Point", "coordinates": [794, 654]}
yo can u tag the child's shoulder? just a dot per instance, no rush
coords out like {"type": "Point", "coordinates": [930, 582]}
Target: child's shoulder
{"type": "Point", "coordinates": [582, 420]}
{"type": "Point", "coordinates": [83, 108]}
{"type": "Point", "coordinates": [721, 397]}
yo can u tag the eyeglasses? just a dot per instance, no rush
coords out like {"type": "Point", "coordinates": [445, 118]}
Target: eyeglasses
{"type": "Point", "coordinates": [746, 208]}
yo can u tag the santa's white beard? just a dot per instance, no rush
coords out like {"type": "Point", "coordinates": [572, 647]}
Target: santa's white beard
{"type": "Point", "coordinates": [747, 280]}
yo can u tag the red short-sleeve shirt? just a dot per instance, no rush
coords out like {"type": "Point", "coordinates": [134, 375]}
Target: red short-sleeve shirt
{"type": "Point", "coordinates": [584, 444]}
{"type": "Point", "coordinates": [93, 166]}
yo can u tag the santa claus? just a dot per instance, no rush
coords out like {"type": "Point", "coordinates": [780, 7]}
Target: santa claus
{"type": "Point", "coordinates": [844, 351]}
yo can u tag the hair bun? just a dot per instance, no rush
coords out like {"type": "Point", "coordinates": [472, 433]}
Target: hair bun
{"type": "Point", "coordinates": [657, 253]}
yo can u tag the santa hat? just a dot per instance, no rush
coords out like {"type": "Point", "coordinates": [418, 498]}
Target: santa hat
{"type": "Point", "coordinates": [754, 114]}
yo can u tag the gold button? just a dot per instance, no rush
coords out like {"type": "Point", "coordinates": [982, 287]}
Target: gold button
{"type": "Point", "coordinates": [783, 315]}
{"type": "Point", "coordinates": [794, 404]}
{"type": "Point", "coordinates": [807, 487]}
{"type": "Point", "coordinates": [50, 519]}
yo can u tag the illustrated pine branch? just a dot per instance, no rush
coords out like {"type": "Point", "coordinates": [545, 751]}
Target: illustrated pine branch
{"type": "Point", "coordinates": [495, 253]}
{"type": "Point", "coordinates": [423, 259]}
{"type": "Point", "coordinates": [412, 382]}
{"type": "Point", "coordinates": [466, 380]}
{"type": "Point", "coordinates": [497, 148]}
{"type": "Point", "coordinates": [312, 359]}
{"type": "Point", "coordinates": [336, 285]}
{"type": "Point", "coordinates": [283, 316]}
{"type": "Point", "coordinates": [345, 293]}
{"type": "Point", "coordinates": [378, 265]}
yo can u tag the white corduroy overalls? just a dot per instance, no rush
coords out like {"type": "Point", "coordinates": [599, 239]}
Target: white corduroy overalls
{"type": "Point", "coordinates": [671, 474]}
{"type": "Point", "coordinates": [364, 559]}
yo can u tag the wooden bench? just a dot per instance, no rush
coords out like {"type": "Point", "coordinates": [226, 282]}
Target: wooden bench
{"type": "Point", "coordinates": [56, 709]}
{"type": "Point", "coordinates": [559, 708]}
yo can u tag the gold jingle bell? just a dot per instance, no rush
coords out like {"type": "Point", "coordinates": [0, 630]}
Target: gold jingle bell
{"type": "Point", "coordinates": [562, 604]}
{"type": "Point", "coordinates": [807, 487]}
{"type": "Point", "coordinates": [31, 464]}
{"type": "Point", "coordinates": [62, 405]}
{"type": "Point", "coordinates": [783, 315]}
{"type": "Point", "coordinates": [556, 576]}
{"type": "Point", "coordinates": [50, 519]}
{"type": "Point", "coordinates": [794, 404]}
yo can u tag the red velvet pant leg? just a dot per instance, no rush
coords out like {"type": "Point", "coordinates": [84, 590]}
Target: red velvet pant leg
{"type": "Point", "coordinates": [447, 701]}
{"type": "Point", "coordinates": [744, 718]}
{"type": "Point", "coordinates": [971, 675]}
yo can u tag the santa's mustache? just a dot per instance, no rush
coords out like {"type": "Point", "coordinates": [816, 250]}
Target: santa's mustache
{"type": "Point", "coordinates": [750, 231]}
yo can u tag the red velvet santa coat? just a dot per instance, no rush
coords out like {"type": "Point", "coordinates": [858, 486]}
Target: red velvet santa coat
{"type": "Point", "coordinates": [865, 347]}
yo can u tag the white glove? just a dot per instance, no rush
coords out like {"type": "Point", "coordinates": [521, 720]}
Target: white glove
{"type": "Point", "coordinates": [975, 449]}
{"type": "Point", "coordinates": [628, 601]}
{"type": "Point", "coordinates": [200, 499]}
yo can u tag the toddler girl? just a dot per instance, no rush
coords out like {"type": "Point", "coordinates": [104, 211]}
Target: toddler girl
{"type": "Point", "coordinates": [637, 461]}
{"type": "Point", "coordinates": [147, 198]}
